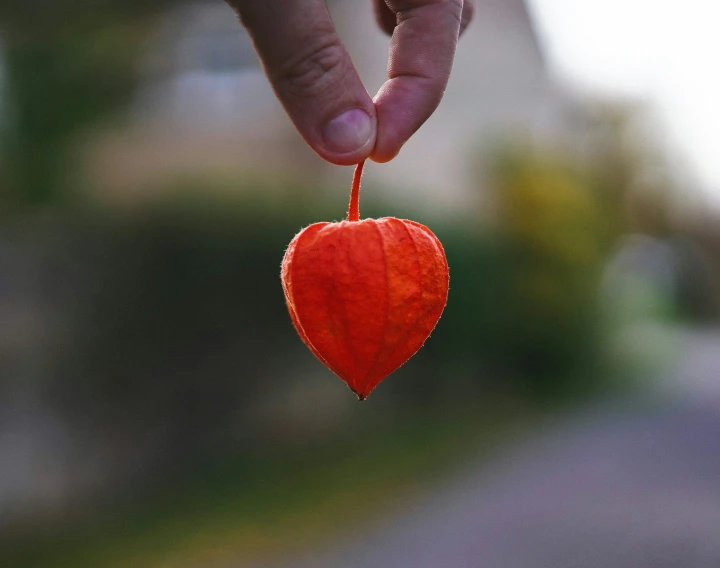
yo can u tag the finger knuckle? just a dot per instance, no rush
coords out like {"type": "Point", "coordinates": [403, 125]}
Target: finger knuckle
{"type": "Point", "coordinates": [311, 70]}
{"type": "Point", "coordinates": [467, 13]}
{"type": "Point", "coordinates": [455, 7]}
{"type": "Point", "coordinates": [404, 5]}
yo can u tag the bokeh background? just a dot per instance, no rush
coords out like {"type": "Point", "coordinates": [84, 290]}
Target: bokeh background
{"type": "Point", "coordinates": [156, 405]}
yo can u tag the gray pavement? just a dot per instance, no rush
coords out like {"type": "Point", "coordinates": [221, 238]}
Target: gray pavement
{"type": "Point", "coordinates": [634, 484]}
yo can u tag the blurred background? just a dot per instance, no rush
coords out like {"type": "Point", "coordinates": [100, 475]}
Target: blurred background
{"type": "Point", "coordinates": [156, 405]}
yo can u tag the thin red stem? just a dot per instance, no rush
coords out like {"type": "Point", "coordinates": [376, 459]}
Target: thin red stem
{"type": "Point", "coordinates": [354, 209]}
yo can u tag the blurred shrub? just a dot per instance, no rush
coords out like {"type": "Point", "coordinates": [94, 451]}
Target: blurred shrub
{"type": "Point", "coordinates": [67, 67]}
{"type": "Point", "coordinates": [174, 322]}
{"type": "Point", "coordinates": [176, 317]}
{"type": "Point", "coordinates": [531, 289]}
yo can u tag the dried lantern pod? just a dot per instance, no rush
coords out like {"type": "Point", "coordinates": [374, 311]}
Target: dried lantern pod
{"type": "Point", "coordinates": [364, 295]}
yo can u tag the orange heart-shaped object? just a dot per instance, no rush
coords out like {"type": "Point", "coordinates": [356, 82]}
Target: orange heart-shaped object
{"type": "Point", "coordinates": [365, 295]}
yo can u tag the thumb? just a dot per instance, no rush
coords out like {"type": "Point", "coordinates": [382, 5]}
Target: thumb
{"type": "Point", "coordinates": [313, 76]}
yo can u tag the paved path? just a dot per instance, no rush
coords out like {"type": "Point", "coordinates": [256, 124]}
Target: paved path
{"type": "Point", "coordinates": [631, 485]}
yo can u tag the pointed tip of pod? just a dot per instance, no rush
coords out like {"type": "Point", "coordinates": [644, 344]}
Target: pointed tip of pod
{"type": "Point", "coordinates": [382, 283]}
{"type": "Point", "coordinates": [361, 397]}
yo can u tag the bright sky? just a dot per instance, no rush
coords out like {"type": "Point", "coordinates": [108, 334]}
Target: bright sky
{"type": "Point", "coordinates": [667, 52]}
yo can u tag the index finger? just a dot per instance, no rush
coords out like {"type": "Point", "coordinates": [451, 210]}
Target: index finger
{"type": "Point", "coordinates": [422, 50]}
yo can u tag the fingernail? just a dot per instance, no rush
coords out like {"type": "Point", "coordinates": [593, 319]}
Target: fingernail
{"type": "Point", "coordinates": [348, 132]}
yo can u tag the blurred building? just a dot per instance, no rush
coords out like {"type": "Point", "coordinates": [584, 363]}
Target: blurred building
{"type": "Point", "coordinates": [204, 110]}
{"type": "Point", "coordinates": [205, 107]}
{"type": "Point", "coordinates": [499, 87]}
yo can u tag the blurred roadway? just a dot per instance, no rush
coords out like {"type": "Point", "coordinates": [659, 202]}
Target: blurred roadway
{"type": "Point", "coordinates": [634, 484]}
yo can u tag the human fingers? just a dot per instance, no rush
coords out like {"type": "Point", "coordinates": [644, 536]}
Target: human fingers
{"type": "Point", "coordinates": [313, 76]}
{"type": "Point", "coordinates": [387, 20]}
{"type": "Point", "coordinates": [422, 50]}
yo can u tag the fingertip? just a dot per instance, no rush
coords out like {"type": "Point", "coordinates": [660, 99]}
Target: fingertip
{"type": "Point", "coordinates": [421, 57]}
{"type": "Point", "coordinates": [348, 132]}
{"type": "Point", "coordinates": [385, 154]}
{"type": "Point", "coordinates": [349, 138]}
{"type": "Point", "coordinates": [388, 144]}
{"type": "Point", "coordinates": [313, 77]}
{"type": "Point", "coordinates": [402, 105]}
{"type": "Point", "coordinates": [467, 14]}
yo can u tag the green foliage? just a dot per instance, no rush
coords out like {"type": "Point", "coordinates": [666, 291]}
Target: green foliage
{"type": "Point", "coordinates": [68, 66]}
{"type": "Point", "coordinates": [175, 314]}
{"type": "Point", "coordinates": [524, 300]}
{"type": "Point", "coordinates": [559, 235]}
{"type": "Point", "coordinates": [54, 91]}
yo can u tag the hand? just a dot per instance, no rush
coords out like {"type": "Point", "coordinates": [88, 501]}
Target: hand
{"type": "Point", "coordinates": [318, 85]}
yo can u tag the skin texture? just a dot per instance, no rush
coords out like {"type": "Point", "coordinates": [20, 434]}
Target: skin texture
{"type": "Point", "coordinates": [314, 78]}
{"type": "Point", "coordinates": [365, 295]}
